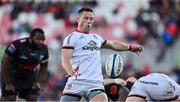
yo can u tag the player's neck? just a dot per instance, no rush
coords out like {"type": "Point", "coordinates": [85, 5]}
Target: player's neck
{"type": "Point", "coordinates": [81, 31]}
{"type": "Point", "coordinates": [32, 45]}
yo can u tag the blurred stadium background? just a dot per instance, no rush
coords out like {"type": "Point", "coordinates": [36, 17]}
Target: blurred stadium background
{"type": "Point", "coordinates": [153, 23]}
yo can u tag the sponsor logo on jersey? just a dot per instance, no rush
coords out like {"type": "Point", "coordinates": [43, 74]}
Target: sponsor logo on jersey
{"type": "Point", "coordinates": [22, 40]}
{"type": "Point", "coordinates": [145, 82]}
{"type": "Point", "coordinates": [23, 57]}
{"type": "Point", "coordinates": [33, 54]}
{"type": "Point", "coordinates": [41, 57]}
{"type": "Point", "coordinates": [91, 45]}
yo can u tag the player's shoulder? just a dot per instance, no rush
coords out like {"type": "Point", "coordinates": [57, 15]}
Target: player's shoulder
{"type": "Point", "coordinates": [73, 35]}
{"type": "Point", "coordinates": [45, 47]}
{"type": "Point", "coordinates": [20, 41]}
{"type": "Point", "coordinates": [96, 35]}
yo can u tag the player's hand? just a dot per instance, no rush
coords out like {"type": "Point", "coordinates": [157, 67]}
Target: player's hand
{"type": "Point", "coordinates": [9, 87]}
{"type": "Point", "coordinates": [120, 81]}
{"type": "Point", "coordinates": [36, 86]}
{"type": "Point", "coordinates": [131, 79]}
{"type": "Point", "coordinates": [70, 72]}
{"type": "Point", "coordinates": [136, 48]}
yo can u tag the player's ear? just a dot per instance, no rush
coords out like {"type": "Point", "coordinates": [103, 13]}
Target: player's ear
{"type": "Point", "coordinates": [30, 40]}
{"type": "Point", "coordinates": [77, 18]}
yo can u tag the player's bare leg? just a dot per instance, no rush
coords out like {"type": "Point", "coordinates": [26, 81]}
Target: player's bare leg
{"type": "Point", "coordinates": [135, 99]}
{"type": "Point", "coordinates": [100, 97]}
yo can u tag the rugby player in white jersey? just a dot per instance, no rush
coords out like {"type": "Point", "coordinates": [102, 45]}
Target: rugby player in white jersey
{"type": "Point", "coordinates": [154, 87]}
{"type": "Point", "coordinates": [81, 60]}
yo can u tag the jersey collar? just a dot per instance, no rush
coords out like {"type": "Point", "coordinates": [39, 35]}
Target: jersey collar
{"type": "Point", "coordinates": [77, 30]}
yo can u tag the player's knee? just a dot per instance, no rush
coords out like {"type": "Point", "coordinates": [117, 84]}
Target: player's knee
{"type": "Point", "coordinates": [8, 98]}
{"type": "Point", "coordinates": [32, 97]}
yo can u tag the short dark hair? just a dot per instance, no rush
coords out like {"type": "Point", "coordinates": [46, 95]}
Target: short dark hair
{"type": "Point", "coordinates": [84, 9]}
{"type": "Point", "coordinates": [35, 31]}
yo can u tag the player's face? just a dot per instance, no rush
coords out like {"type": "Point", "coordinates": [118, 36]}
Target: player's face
{"type": "Point", "coordinates": [85, 21]}
{"type": "Point", "coordinates": [38, 40]}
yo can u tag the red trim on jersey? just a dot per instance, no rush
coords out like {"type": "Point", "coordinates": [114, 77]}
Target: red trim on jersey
{"type": "Point", "coordinates": [77, 30]}
{"type": "Point", "coordinates": [29, 67]}
{"type": "Point", "coordinates": [13, 46]}
{"type": "Point", "coordinates": [67, 47]}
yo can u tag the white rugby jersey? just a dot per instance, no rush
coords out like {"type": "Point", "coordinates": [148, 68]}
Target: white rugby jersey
{"type": "Point", "coordinates": [86, 55]}
{"type": "Point", "coordinates": [157, 87]}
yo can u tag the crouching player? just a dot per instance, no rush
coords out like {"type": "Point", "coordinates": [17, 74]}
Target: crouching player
{"type": "Point", "coordinates": [154, 87]}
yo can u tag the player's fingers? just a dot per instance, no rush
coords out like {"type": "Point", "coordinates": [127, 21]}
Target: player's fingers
{"type": "Point", "coordinates": [70, 74]}
{"type": "Point", "coordinates": [33, 87]}
{"type": "Point", "coordinates": [141, 49]}
{"type": "Point", "coordinates": [10, 88]}
{"type": "Point", "coordinates": [137, 53]}
{"type": "Point", "coordinates": [123, 83]}
{"type": "Point", "coordinates": [67, 75]}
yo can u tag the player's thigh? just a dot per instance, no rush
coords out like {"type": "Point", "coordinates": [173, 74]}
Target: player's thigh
{"type": "Point", "coordinates": [100, 97]}
{"type": "Point", "coordinates": [135, 99]}
{"type": "Point", "coordinates": [71, 98]}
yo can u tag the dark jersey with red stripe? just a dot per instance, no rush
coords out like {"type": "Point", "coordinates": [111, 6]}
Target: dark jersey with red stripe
{"type": "Point", "coordinates": [25, 60]}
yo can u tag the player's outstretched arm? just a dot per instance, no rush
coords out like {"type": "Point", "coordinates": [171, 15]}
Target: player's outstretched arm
{"type": "Point", "coordinates": [117, 81]}
{"type": "Point", "coordinates": [121, 46]}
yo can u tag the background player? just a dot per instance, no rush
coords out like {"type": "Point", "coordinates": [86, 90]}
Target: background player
{"type": "Point", "coordinates": [21, 57]}
{"type": "Point", "coordinates": [154, 87]}
{"type": "Point", "coordinates": [82, 61]}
